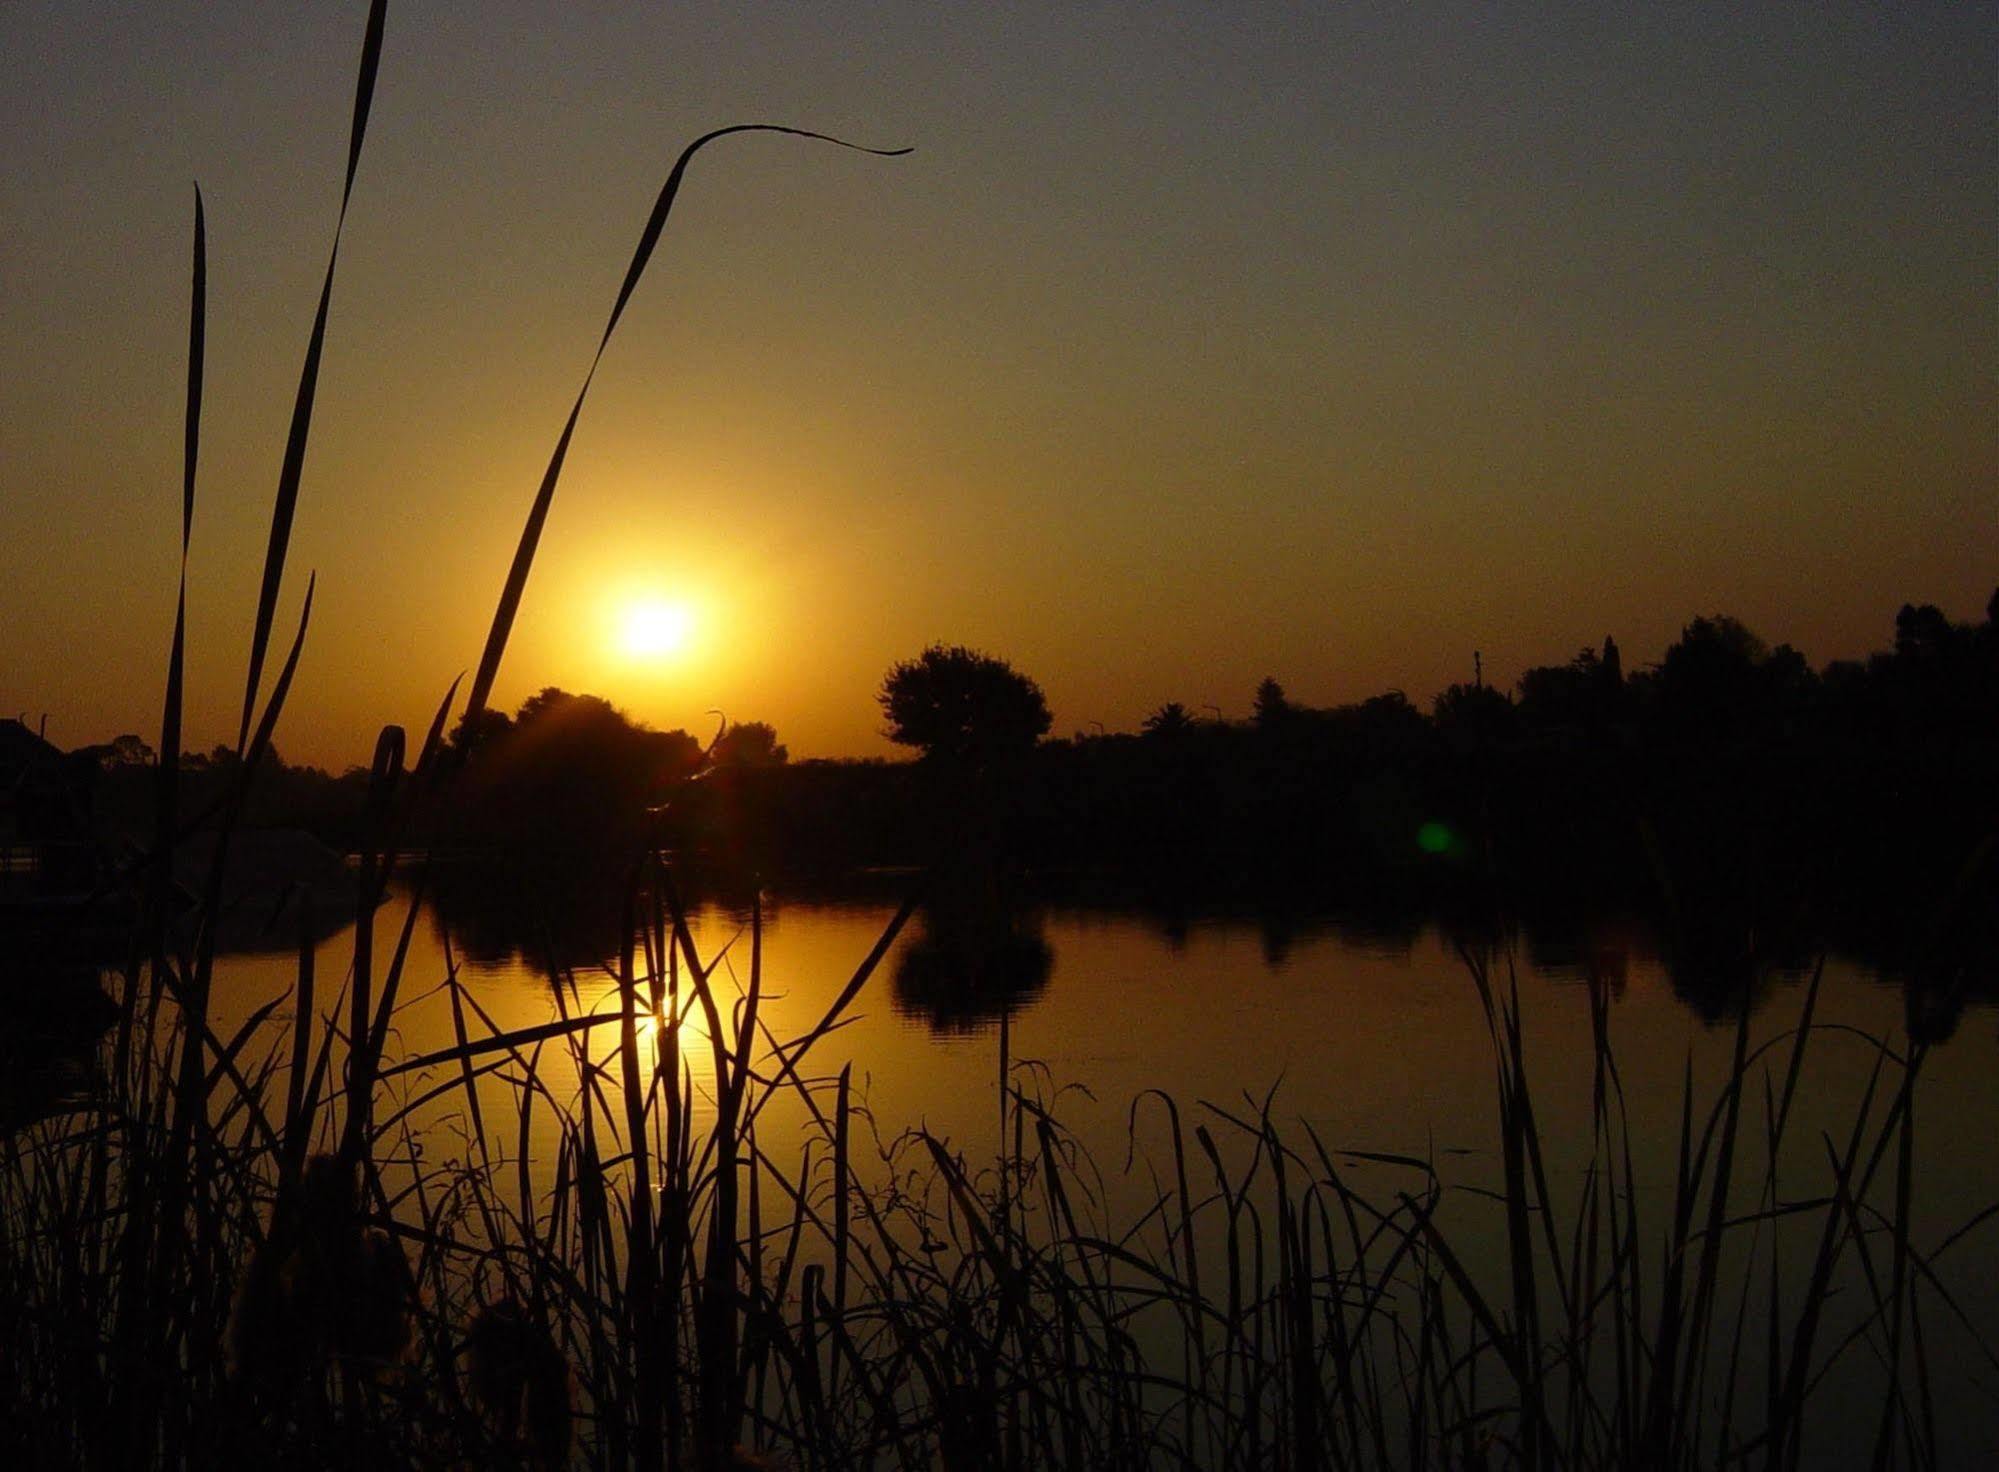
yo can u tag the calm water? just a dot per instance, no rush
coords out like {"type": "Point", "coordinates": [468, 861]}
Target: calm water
{"type": "Point", "coordinates": [1375, 1038]}
{"type": "Point", "coordinates": [1377, 1041]}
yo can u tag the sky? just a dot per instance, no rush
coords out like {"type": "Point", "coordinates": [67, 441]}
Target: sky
{"type": "Point", "coordinates": [1193, 343]}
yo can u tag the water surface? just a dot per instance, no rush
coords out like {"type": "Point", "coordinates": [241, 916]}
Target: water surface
{"type": "Point", "coordinates": [1371, 1036]}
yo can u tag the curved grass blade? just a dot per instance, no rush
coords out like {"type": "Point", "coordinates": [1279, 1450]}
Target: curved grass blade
{"type": "Point", "coordinates": [517, 575]}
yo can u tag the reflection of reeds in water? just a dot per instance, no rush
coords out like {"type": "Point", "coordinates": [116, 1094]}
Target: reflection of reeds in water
{"type": "Point", "coordinates": [673, 1291]}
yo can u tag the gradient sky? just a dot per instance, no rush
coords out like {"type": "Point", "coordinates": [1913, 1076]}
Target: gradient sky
{"type": "Point", "coordinates": [1195, 342]}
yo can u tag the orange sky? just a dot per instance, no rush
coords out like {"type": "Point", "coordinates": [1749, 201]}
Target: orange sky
{"type": "Point", "coordinates": [1193, 344]}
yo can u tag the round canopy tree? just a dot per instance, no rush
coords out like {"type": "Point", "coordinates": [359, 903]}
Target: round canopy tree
{"type": "Point", "coordinates": [960, 705]}
{"type": "Point", "coordinates": [750, 744]}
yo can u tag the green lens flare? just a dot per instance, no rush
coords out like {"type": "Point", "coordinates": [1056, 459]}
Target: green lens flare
{"type": "Point", "coordinates": [1435, 838]}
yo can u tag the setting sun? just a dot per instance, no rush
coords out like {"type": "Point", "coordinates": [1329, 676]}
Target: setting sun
{"type": "Point", "coordinates": [654, 628]}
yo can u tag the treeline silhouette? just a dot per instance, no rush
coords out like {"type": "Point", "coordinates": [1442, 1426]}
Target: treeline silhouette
{"type": "Point", "coordinates": [1727, 761]}
{"type": "Point", "coordinates": [1739, 793]}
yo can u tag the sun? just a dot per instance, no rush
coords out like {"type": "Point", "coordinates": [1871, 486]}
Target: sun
{"type": "Point", "coordinates": [656, 628]}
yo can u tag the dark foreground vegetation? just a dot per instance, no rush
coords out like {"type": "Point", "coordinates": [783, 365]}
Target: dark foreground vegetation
{"type": "Point", "coordinates": [292, 1244]}
{"type": "Point", "coordinates": [264, 1249]}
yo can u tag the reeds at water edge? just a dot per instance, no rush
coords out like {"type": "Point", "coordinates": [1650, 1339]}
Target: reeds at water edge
{"type": "Point", "coordinates": [663, 1294]}
{"type": "Point", "coordinates": [240, 1251]}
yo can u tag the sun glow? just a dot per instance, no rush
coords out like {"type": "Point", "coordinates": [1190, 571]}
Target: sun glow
{"type": "Point", "coordinates": [656, 628]}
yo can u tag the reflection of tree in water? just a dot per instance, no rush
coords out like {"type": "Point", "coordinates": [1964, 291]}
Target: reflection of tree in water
{"type": "Point", "coordinates": [1725, 949]}
{"type": "Point", "coordinates": [1720, 958]}
{"type": "Point", "coordinates": [1718, 985]}
{"type": "Point", "coordinates": [1388, 922]}
{"type": "Point", "coordinates": [569, 916]}
{"type": "Point", "coordinates": [566, 917]}
{"type": "Point", "coordinates": [1950, 957]}
{"type": "Point", "coordinates": [1285, 915]}
{"type": "Point", "coordinates": [971, 964]}
{"type": "Point", "coordinates": [1277, 931]}
{"type": "Point", "coordinates": [1944, 952]}
{"type": "Point", "coordinates": [977, 952]}
{"type": "Point", "coordinates": [1377, 924]}
{"type": "Point", "coordinates": [1585, 945]}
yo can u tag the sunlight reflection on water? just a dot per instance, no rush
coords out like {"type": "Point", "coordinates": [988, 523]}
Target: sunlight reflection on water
{"type": "Point", "coordinates": [1376, 1040]}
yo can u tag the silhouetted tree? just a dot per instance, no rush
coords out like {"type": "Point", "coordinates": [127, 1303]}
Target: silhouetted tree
{"type": "Point", "coordinates": [117, 753]}
{"type": "Point", "coordinates": [749, 744]}
{"type": "Point", "coordinates": [223, 759]}
{"type": "Point", "coordinates": [1717, 643]}
{"type": "Point", "coordinates": [1171, 719]}
{"type": "Point", "coordinates": [1923, 633]}
{"type": "Point", "coordinates": [129, 751]}
{"type": "Point", "coordinates": [961, 705]}
{"type": "Point", "coordinates": [1576, 694]}
{"type": "Point", "coordinates": [1271, 706]}
{"type": "Point", "coordinates": [1786, 675]}
{"type": "Point", "coordinates": [1474, 712]}
{"type": "Point", "coordinates": [1374, 740]}
{"type": "Point", "coordinates": [547, 699]}
{"type": "Point", "coordinates": [1719, 675]}
{"type": "Point", "coordinates": [474, 732]}
{"type": "Point", "coordinates": [571, 772]}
